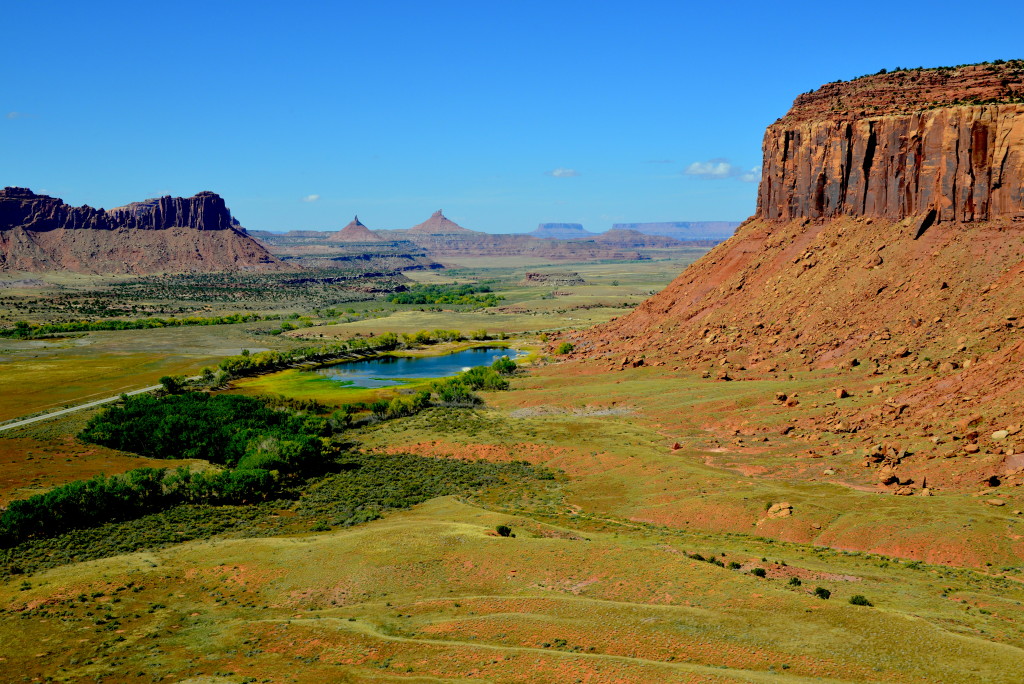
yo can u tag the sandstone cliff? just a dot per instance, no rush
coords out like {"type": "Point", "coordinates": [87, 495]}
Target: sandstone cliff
{"type": "Point", "coordinates": [164, 235]}
{"type": "Point", "coordinates": [887, 238]}
{"type": "Point", "coordinates": [942, 144]}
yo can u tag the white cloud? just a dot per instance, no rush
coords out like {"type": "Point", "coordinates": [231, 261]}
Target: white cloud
{"type": "Point", "coordinates": [716, 169]}
{"type": "Point", "coordinates": [561, 172]}
{"type": "Point", "coordinates": [311, 198]}
{"type": "Point", "coordinates": [19, 115]}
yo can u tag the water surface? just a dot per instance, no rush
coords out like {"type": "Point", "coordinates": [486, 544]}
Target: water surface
{"type": "Point", "coordinates": [387, 371]}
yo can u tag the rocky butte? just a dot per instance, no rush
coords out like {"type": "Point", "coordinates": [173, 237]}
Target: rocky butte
{"type": "Point", "coordinates": [889, 236]}
{"type": "Point", "coordinates": [162, 235]}
{"type": "Point", "coordinates": [945, 143]}
{"type": "Point", "coordinates": [355, 231]}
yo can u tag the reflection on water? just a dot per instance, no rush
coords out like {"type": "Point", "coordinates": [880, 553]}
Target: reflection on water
{"type": "Point", "coordinates": [393, 370]}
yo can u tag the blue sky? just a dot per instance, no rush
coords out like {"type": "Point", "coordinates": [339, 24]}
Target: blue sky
{"type": "Point", "coordinates": [504, 114]}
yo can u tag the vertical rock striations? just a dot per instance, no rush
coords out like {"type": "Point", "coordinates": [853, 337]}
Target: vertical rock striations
{"type": "Point", "coordinates": [888, 234]}
{"type": "Point", "coordinates": [203, 211]}
{"type": "Point", "coordinates": [944, 143]}
{"type": "Point", "coordinates": [163, 235]}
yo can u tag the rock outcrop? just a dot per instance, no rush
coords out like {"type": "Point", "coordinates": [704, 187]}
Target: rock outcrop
{"type": "Point", "coordinates": [163, 235]}
{"type": "Point", "coordinates": [943, 144]}
{"type": "Point", "coordinates": [910, 264]}
{"type": "Point", "coordinates": [355, 231]}
{"type": "Point", "coordinates": [439, 224]}
{"type": "Point", "coordinates": [203, 211]}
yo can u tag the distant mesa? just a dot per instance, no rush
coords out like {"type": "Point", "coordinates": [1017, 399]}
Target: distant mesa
{"type": "Point", "coordinates": [160, 235]}
{"type": "Point", "coordinates": [561, 231]}
{"type": "Point", "coordinates": [439, 224]}
{"type": "Point", "coordinates": [632, 239]}
{"type": "Point", "coordinates": [355, 231]}
{"type": "Point", "coordinates": [684, 230]}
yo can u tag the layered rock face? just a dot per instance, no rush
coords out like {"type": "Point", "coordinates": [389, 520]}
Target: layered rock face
{"type": "Point", "coordinates": [203, 211]}
{"type": "Point", "coordinates": [164, 235]}
{"type": "Point", "coordinates": [946, 144]}
{"type": "Point", "coordinates": [889, 242]}
{"type": "Point", "coordinates": [22, 208]}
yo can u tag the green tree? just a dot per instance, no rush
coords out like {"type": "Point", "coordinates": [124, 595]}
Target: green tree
{"type": "Point", "coordinates": [172, 384]}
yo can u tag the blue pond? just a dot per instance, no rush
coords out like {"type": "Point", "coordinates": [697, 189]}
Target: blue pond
{"type": "Point", "coordinates": [394, 370]}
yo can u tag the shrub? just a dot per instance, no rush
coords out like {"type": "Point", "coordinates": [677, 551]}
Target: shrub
{"type": "Point", "coordinates": [758, 572]}
{"type": "Point", "coordinates": [453, 393]}
{"type": "Point", "coordinates": [503, 530]}
{"type": "Point", "coordinates": [86, 503]}
{"type": "Point", "coordinates": [733, 565]}
{"type": "Point", "coordinates": [504, 366]}
{"type": "Point", "coordinates": [795, 582]}
{"type": "Point", "coordinates": [221, 429]}
{"type": "Point", "coordinates": [482, 377]}
{"type": "Point", "coordinates": [822, 593]}
{"type": "Point", "coordinates": [564, 348]}
{"type": "Point", "coordinates": [468, 295]}
{"type": "Point", "coordinates": [172, 384]}
{"type": "Point", "coordinates": [860, 600]}
{"type": "Point", "coordinates": [380, 408]}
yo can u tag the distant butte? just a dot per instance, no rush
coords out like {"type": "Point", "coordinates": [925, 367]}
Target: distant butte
{"type": "Point", "coordinates": [355, 231]}
{"type": "Point", "coordinates": [439, 224]}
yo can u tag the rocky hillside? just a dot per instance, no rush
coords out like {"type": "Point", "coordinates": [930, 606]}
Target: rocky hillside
{"type": "Point", "coordinates": [163, 235]}
{"type": "Point", "coordinates": [888, 238]}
